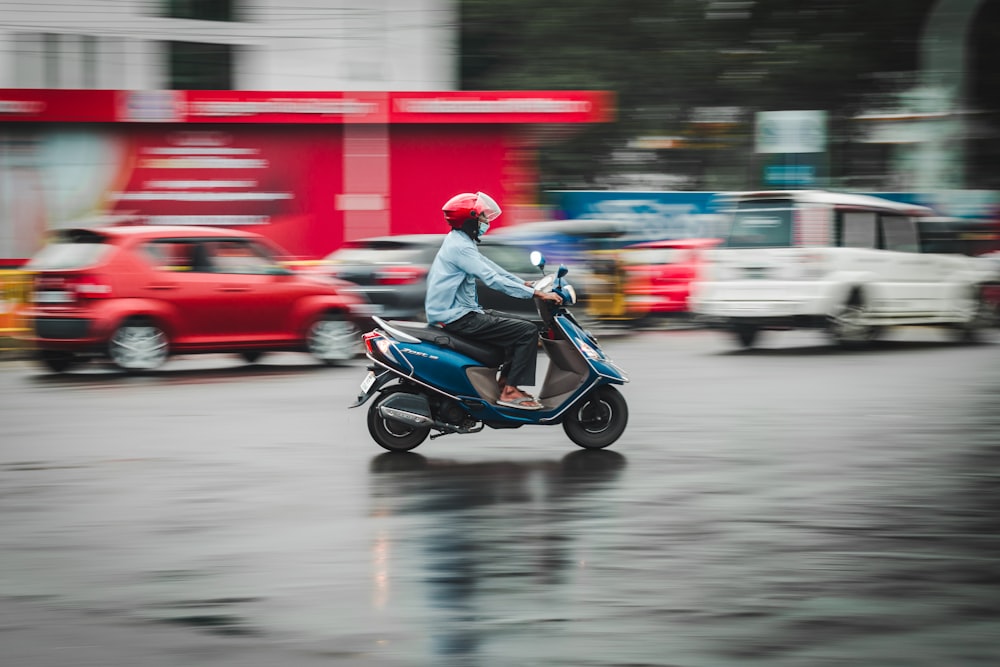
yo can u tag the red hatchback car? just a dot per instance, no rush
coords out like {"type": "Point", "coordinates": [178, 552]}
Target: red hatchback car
{"type": "Point", "coordinates": [658, 275]}
{"type": "Point", "coordinates": [137, 294]}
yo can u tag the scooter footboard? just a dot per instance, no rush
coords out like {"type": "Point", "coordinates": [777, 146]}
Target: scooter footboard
{"type": "Point", "coordinates": [484, 381]}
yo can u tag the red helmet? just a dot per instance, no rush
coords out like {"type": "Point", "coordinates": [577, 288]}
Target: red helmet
{"type": "Point", "coordinates": [468, 206]}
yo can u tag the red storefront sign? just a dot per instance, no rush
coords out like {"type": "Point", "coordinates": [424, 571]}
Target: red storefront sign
{"type": "Point", "coordinates": [234, 106]}
{"type": "Point", "coordinates": [310, 169]}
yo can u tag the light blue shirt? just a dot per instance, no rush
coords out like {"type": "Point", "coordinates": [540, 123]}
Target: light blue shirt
{"type": "Point", "coordinates": [451, 282]}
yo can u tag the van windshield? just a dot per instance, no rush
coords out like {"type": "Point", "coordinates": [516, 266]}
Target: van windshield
{"type": "Point", "coordinates": [761, 223]}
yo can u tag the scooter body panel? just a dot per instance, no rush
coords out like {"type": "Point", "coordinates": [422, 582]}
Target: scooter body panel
{"type": "Point", "coordinates": [599, 362]}
{"type": "Point", "coordinates": [440, 367]}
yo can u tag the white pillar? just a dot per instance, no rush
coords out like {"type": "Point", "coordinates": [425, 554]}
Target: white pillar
{"type": "Point", "coordinates": [939, 160]}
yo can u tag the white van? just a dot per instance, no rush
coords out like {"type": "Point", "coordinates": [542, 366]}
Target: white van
{"type": "Point", "coordinates": [847, 264]}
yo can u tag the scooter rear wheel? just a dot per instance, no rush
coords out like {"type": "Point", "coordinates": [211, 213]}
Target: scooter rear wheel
{"type": "Point", "coordinates": [393, 435]}
{"type": "Point", "coordinates": [597, 419]}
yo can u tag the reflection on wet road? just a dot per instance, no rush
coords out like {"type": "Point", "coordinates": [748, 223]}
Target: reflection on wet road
{"type": "Point", "coordinates": [496, 540]}
{"type": "Point", "coordinates": [533, 563]}
{"type": "Point", "coordinates": [785, 507]}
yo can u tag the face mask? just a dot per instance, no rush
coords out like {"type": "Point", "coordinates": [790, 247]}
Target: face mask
{"type": "Point", "coordinates": [483, 226]}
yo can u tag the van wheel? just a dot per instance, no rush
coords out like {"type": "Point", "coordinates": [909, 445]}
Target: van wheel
{"type": "Point", "coordinates": [332, 338]}
{"type": "Point", "coordinates": [978, 316]}
{"type": "Point", "coordinates": [746, 334]}
{"type": "Point", "coordinates": [138, 345]}
{"type": "Point", "coordinates": [847, 324]}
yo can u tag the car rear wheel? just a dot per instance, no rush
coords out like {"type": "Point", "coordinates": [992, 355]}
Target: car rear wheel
{"type": "Point", "coordinates": [138, 345]}
{"type": "Point", "coordinates": [251, 356]}
{"type": "Point", "coordinates": [332, 339]}
{"type": "Point", "coordinates": [57, 361]}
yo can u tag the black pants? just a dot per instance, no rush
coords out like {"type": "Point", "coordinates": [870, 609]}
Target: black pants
{"type": "Point", "coordinates": [518, 338]}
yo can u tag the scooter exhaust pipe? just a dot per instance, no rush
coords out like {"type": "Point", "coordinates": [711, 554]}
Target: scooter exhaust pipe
{"type": "Point", "coordinates": [414, 411]}
{"type": "Point", "coordinates": [409, 409]}
{"type": "Point", "coordinates": [408, 418]}
{"type": "Point", "coordinates": [418, 420]}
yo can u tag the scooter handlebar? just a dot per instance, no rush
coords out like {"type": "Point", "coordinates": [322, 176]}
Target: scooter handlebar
{"type": "Point", "coordinates": [556, 285]}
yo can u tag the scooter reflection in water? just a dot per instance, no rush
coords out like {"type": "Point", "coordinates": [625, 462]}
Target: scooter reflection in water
{"type": "Point", "coordinates": [463, 548]}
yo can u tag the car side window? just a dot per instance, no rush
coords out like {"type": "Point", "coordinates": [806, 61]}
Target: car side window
{"type": "Point", "coordinates": [236, 256]}
{"type": "Point", "coordinates": [856, 229]}
{"type": "Point", "coordinates": [168, 254]}
{"type": "Point", "coordinates": [200, 259]}
{"type": "Point", "coordinates": [899, 233]}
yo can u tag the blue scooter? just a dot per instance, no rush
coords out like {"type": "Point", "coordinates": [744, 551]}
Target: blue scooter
{"type": "Point", "coordinates": [427, 379]}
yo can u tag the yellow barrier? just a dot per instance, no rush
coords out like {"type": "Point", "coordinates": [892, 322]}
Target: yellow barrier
{"type": "Point", "coordinates": [15, 291]}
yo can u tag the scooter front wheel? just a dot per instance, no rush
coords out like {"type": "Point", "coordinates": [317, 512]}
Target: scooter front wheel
{"type": "Point", "coordinates": [597, 419]}
{"type": "Point", "coordinates": [390, 434]}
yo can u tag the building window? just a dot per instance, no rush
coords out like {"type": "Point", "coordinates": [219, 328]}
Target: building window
{"type": "Point", "coordinates": [202, 10]}
{"type": "Point", "coordinates": [29, 60]}
{"type": "Point", "coordinates": [88, 49]}
{"type": "Point", "coordinates": [200, 66]}
{"type": "Point", "coordinates": [50, 49]}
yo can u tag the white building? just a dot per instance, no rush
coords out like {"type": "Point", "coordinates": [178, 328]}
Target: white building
{"type": "Point", "coordinates": [393, 45]}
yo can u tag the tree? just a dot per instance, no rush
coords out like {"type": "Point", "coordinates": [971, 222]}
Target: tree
{"type": "Point", "coordinates": [668, 61]}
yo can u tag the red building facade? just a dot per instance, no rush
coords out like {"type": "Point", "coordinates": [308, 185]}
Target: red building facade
{"type": "Point", "coordinates": [308, 169]}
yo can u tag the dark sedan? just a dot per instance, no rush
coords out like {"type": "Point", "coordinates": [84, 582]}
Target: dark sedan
{"type": "Point", "coordinates": [391, 272]}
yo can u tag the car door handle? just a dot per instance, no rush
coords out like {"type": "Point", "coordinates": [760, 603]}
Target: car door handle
{"type": "Point", "coordinates": [161, 286]}
{"type": "Point", "coordinates": [234, 288]}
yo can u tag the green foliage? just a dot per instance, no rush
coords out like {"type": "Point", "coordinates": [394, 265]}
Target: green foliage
{"type": "Point", "coordinates": [666, 59]}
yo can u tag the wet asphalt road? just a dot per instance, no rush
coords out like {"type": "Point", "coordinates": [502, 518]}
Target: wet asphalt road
{"type": "Point", "coordinates": [790, 505]}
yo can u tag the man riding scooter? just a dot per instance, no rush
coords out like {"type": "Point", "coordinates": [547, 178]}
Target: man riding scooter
{"type": "Point", "coordinates": [452, 302]}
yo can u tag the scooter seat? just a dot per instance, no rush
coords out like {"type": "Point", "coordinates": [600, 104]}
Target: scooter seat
{"type": "Point", "coordinates": [485, 353]}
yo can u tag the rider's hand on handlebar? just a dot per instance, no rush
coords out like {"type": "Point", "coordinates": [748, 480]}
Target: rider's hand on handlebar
{"type": "Point", "coordinates": [549, 296]}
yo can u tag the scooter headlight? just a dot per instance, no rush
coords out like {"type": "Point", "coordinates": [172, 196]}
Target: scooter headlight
{"type": "Point", "coordinates": [587, 350]}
